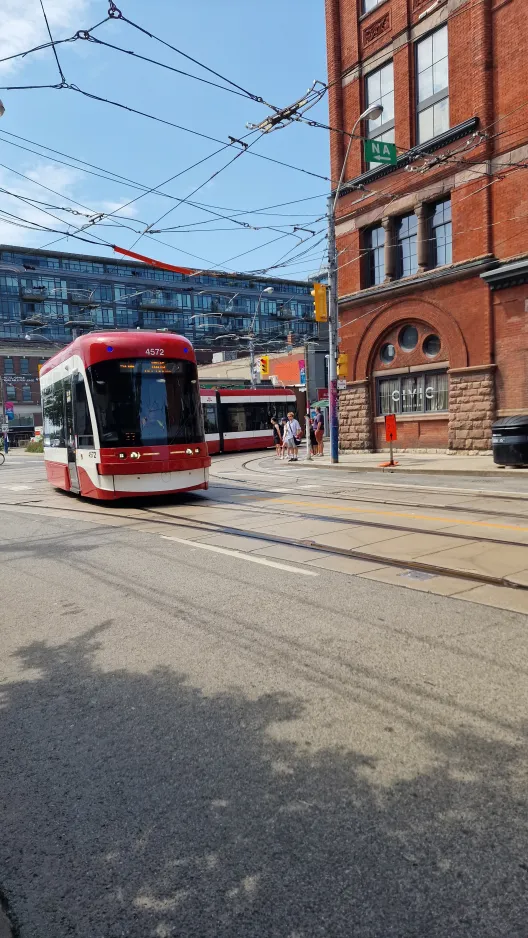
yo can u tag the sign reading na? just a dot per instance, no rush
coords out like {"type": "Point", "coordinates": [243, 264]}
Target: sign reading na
{"type": "Point", "coordinates": [377, 151]}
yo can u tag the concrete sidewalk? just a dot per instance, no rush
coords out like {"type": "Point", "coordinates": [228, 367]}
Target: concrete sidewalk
{"type": "Point", "coordinates": [433, 463]}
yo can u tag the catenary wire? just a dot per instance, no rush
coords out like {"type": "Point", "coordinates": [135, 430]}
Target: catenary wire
{"type": "Point", "coordinates": [61, 73]}
{"type": "Point", "coordinates": [108, 174]}
{"type": "Point", "coordinates": [114, 10]}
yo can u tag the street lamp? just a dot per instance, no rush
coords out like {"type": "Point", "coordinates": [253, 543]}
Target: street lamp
{"type": "Point", "coordinates": [371, 113]}
{"type": "Point", "coordinates": [252, 336]}
{"type": "Point", "coordinates": [2, 109]}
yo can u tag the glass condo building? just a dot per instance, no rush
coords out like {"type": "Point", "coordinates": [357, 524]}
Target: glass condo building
{"type": "Point", "coordinates": [53, 295]}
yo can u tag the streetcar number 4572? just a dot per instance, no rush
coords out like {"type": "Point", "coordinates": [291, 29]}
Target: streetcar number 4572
{"type": "Point", "coordinates": [154, 351]}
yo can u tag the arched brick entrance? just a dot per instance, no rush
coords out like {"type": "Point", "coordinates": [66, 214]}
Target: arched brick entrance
{"type": "Point", "coordinates": [412, 360]}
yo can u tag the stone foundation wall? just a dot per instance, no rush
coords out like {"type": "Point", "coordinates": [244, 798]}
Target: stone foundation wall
{"type": "Point", "coordinates": [471, 408]}
{"type": "Point", "coordinates": [355, 418]}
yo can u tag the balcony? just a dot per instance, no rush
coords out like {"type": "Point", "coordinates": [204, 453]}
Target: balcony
{"type": "Point", "coordinates": [156, 303]}
{"type": "Point", "coordinates": [83, 297]}
{"type": "Point", "coordinates": [33, 319]}
{"type": "Point", "coordinates": [34, 293]}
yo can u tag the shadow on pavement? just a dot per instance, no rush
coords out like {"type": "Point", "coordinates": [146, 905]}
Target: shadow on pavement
{"type": "Point", "coordinates": [133, 805]}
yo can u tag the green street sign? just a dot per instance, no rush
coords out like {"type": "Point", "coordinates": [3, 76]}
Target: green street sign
{"type": "Point", "coordinates": [377, 151]}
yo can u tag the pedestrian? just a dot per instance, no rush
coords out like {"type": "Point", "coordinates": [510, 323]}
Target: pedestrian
{"type": "Point", "coordinates": [292, 435]}
{"type": "Point", "coordinates": [319, 431]}
{"type": "Point", "coordinates": [6, 442]}
{"type": "Point", "coordinates": [277, 437]}
{"type": "Point", "coordinates": [283, 423]}
{"type": "Point", "coordinates": [313, 438]}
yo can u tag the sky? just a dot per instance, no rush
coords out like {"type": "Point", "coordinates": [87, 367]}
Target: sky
{"type": "Point", "coordinates": [274, 50]}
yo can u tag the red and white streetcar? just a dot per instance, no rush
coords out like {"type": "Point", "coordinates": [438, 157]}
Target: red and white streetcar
{"type": "Point", "coordinates": [240, 419]}
{"type": "Point", "coordinates": [122, 416]}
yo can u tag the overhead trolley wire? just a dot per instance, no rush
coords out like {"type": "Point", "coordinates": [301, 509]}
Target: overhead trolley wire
{"type": "Point", "coordinates": [115, 13]}
{"type": "Point", "coordinates": [61, 73]}
{"type": "Point", "coordinates": [107, 174]}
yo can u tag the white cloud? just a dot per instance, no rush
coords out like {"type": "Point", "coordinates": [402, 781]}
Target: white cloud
{"type": "Point", "coordinates": [23, 26]}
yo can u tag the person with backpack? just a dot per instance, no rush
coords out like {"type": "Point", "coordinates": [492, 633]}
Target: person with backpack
{"type": "Point", "coordinates": [292, 436]}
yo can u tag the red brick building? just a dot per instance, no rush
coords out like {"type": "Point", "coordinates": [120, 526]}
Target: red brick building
{"type": "Point", "coordinates": [433, 252]}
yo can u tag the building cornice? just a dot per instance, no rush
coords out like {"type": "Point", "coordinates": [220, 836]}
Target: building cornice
{"type": "Point", "coordinates": [512, 274]}
{"type": "Point", "coordinates": [419, 281]}
{"type": "Point", "coordinates": [423, 149]}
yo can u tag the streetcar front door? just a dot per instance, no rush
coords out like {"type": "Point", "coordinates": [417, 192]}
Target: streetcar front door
{"type": "Point", "coordinates": [70, 438]}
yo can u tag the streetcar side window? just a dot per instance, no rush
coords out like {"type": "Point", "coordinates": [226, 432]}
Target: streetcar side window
{"type": "Point", "coordinates": [53, 414]}
{"type": "Point", "coordinates": [210, 418]}
{"type": "Point", "coordinates": [82, 419]}
{"type": "Point", "coordinates": [239, 418]}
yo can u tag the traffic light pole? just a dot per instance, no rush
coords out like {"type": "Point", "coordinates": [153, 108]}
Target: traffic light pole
{"type": "Point", "coordinates": [332, 334]}
{"type": "Point", "coordinates": [307, 384]}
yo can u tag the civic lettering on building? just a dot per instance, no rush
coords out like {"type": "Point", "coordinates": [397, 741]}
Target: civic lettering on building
{"type": "Point", "coordinates": [429, 393]}
{"type": "Point", "coordinates": [377, 28]}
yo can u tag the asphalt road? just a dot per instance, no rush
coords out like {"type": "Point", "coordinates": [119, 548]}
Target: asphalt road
{"type": "Point", "coordinates": [193, 743]}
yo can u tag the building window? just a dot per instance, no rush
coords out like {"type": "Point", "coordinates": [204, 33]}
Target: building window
{"type": "Point", "coordinates": [387, 353]}
{"type": "Point", "coordinates": [425, 393]}
{"type": "Point", "coordinates": [8, 366]}
{"type": "Point", "coordinates": [375, 248]}
{"type": "Point", "coordinates": [408, 338]}
{"type": "Point", "coordinates": [379, 89]}
{"type": "Point", "coordinates": [369, 5]}
{"type": "Point", "coordinates": [10, 393]}
{"type": "Point", "coordinates": [26, 393]}
{"type": "Point", "coordinates": [105, 315]}
{"type": "Point", "coordinates": [433, 85]}
{"type": "Point", "coordinates": [24, 366]}
{"type": "Point", "coordinates": [431, 345]}
{"type": "Point", "coordinates": [406, 235]}
{"type": "Point", "coordinates": [441, 234]}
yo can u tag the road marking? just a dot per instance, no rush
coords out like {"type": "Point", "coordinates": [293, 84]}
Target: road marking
{"type": "Point", "coordinates": [396, 514]}
{"type": "Point", "coordinates": [18, 488]}
{"type": "Point", "coordinates": [236, 553]}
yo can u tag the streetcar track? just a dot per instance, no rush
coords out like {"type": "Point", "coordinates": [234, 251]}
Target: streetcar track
{"type": "Point", "coordinates": [385, 501]}
{"type": "Point", "coordinates": [212, 527]}
{"type": "Point", "coordinates": [396, 486]}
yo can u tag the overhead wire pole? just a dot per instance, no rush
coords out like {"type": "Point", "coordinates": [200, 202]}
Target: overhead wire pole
{"type": "Point", "coordinates": [371, 113]}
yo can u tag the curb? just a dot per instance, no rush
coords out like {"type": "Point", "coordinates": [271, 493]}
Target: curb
{"type": "Point", "coordinates": [474, 473]}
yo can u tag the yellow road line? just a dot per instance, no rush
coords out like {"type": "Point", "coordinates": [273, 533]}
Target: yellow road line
{"type": "Point", "coordinates": [393, 514]}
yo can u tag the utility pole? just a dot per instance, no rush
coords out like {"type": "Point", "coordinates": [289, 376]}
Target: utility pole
{"type": "Point", "coordinates": [307, 383]}
{"type": "Point", "coordinates": [252, 337]}
{"type": "Point", "coordinates": [252, 359]}
{"type": "Point", "coordinates": [333, 314]}
{"type": "Point", "coordinates": [371, 113]}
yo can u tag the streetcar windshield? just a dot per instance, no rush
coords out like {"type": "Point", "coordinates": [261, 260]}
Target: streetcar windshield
{"type": "Point", "coordinates": [142, 402]}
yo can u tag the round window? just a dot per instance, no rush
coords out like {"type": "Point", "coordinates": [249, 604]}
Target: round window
{"type": "Point", "coordinates": [387, 353]}
{"type": "Point", "coordinates": [408, 338]}
{"type": "Point", "coordinates": [431, 345]}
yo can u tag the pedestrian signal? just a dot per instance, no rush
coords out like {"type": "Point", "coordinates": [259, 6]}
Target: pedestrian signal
{"type": "Point", "coordinates": [264, 366]}
{"type": "Point", "coordinates": [320, 307]}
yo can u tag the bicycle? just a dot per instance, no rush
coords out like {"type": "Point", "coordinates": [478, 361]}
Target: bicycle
{"type": "Point", "coordinates": [2, 458]}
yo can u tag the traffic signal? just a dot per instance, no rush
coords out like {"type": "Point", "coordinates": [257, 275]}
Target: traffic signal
{"type": "Point", "coordinates": [320, 307]}
{"type": "Point", "coordinates": [342, 365]}
{"type": "Point", "coordinates": [264, 366]}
